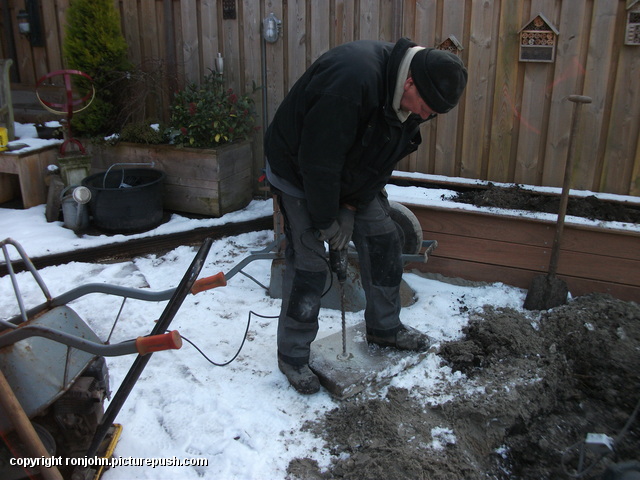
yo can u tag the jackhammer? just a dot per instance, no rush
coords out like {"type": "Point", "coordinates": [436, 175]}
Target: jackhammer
{"type": "Point", "coordinates": [339, 261]}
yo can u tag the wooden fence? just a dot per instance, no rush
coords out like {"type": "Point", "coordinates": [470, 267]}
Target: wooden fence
{"type": "Point", "coordinates": [513, 122]}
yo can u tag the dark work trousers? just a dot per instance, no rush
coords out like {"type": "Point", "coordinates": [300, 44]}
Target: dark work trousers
{"type": "Point", "coordinates": [378, 243]}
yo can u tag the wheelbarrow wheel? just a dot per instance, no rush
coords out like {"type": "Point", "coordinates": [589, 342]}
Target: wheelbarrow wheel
{"type": "Point", "coordinates": [408, 226]}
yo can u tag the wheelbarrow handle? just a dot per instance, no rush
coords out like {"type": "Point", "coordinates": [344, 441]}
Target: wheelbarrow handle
{"type": "Point", "coordinates": [157, 343]}
{"type": "Point", "coordinates": [142, 345]}
{"type": "Point", "coordinates": [207, 283]}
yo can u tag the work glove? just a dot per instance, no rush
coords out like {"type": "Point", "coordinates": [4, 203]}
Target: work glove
{"type": "Point", "coordinates": [338, 234]}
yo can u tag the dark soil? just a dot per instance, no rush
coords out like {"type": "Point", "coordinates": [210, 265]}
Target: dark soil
{"type": "Point", "coordinates": [543, 382]}
{"type": "Point", "coordinates": [517, 198]}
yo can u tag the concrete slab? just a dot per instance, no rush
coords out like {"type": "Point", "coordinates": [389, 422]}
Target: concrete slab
{"type": "Point", "coordinates": [367, 366]}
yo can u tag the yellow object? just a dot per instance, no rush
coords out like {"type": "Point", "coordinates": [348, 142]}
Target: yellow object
{"type": "Point", "coordinates": [4, 138]}
{"type": "Point", "coordinates": [112, 437]}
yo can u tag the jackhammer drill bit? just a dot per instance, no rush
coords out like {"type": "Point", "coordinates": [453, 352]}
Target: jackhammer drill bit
{"type": "Point", "coordinates": [338, 260]}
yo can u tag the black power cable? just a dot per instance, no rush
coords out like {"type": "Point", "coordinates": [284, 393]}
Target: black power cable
{"type": "Point", "coordinates": [244, 338]}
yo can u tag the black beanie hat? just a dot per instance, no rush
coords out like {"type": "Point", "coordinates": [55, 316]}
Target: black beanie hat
{"type": "Point", "coordinates": [440, 78]}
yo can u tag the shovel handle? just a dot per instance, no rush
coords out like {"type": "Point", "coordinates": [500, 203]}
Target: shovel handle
{"type": "Point", "coordinates": [207, 283]}
{"type": "Point", "coordinates": [157, 343]}
{"type": "Point", "coordinates": [566, 184]}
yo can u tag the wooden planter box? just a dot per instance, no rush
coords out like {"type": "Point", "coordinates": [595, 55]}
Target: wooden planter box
{"type": "Point", "coordinates": [201, 181]}
{"type": "Point", "coordinates": [513, 249]}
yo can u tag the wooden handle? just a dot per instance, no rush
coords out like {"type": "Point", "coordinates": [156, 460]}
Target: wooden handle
{"type": "Point", "coordinates": [579, 99]}
{"type": "Point", "coordinates": [208, 283]}
{"type": "Point", "coordinates": [157, 343]}
{"type": "Point", "coordinates": [24, 429]}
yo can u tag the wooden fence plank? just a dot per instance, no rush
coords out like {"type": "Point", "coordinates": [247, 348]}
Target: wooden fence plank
{"type": "Point", "coordinates": [446, 152]}
{"type": "Point", "coordinates": [597, 86]}
{"type": "Point", "coordinates": [190, 42]}
{"type": "Point", "coordinates": [529, 158]}
{"type": "Point", "coordinates": [369, 20]}
{"type": "Point", "coordinates": [52, 37]}
{"type": "Point", "coordinates": [319, 41]}
{"type": "Point", "coordinates": [622, 135]}
{"type": "Point", "coordinates": [512, 124]}
{"type": "Point", "coordinates": [425, 35]}
{"type": "Point", "coordinates": [231, 40]}
{"type": "Point", "coordinates": [61, 10]}
{"type": "Point", "coordinates": [568, 78]}
{"type": "Point", "coordinates": [131, 30]}
{"type": "Point", "coordinates": [210, 41]}
{"type": "Point", "coordinates": [386, 19]}
{"type": "Point", "coordinates": [297, 43]}
{"type": "Point", "coordinates": [344, 22]}
{"type": "Point", "coordinates": [504, 104]}
{"type": "Point", "coordinates": [150, 33]}
{"type": "Point", "coordinates": [251, 74]}
{"type": "Point", "coordinates": [275, 56]}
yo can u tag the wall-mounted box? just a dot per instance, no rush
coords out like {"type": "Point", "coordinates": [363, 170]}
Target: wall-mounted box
{"type": "Point", "coordinates": [538, 40]}
{"type": "Point", "coordinates": [451, 44]}
{"type": "Point", "coordinates": [632, 31]}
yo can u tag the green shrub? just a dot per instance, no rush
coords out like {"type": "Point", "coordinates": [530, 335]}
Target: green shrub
{"type": "Point", "coordinates": [209, 114]}
{"type": "Point", "coordinates": [142, 132]}
{"type": "Point", "coordinates": [94, 44]}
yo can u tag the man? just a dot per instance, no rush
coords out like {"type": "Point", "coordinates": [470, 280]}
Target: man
{"type": "Point", "coordinates": [331, 148]}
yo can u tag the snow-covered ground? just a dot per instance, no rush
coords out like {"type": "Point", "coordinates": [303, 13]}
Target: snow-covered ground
{"type": "Point", "coordinates": [243, 419]}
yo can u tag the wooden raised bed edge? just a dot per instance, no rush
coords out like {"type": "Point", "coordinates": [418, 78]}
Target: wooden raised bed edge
{"type": "Point", "coordinates": [513, 249]}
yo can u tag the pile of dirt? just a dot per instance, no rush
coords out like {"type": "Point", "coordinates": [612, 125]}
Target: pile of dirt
{"type": "Point", "coordinates": [518, 198]}
{"type": "Point", "coordinates": [537, 384]}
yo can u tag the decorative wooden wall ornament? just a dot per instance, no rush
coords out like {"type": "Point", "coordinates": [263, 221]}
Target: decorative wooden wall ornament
{"type": "Point", "coordinates": [228, 9]}
{"type": "Point", "coordinates": [538, 40]}
{"type": "Point", "coordinates": [451, 44]}
{"type": "Point", "coordinates": [632, 32]}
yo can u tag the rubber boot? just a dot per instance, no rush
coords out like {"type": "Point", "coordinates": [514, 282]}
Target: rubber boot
{"type": "Point", "coordinates": [300, 377]}
{"type": "Point", "coordinates": [406, 338]}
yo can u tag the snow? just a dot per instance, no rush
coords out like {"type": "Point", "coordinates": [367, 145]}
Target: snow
{"type": "Point", "coordinates": [26, 134]}
{"type": "Point", "coordinates": [244, 419]}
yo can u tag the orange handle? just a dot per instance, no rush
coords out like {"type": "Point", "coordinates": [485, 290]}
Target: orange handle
{"type": "Point", "coordinates": [208, 283]}
{"type": "Point", "coordinates": [156, 343]}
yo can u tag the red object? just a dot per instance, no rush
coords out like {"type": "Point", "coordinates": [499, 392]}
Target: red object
{"type": "Point", "coordinates": [157, 343]}
{"type": "Point", "coordinates": [68, 106]}
{"type": "Point", "coordinates": [208, 283]}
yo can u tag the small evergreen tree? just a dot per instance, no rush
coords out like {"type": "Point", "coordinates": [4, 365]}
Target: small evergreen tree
{"type": "Point", "coordinates": [94, 44]}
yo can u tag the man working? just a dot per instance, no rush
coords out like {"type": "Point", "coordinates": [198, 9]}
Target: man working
{"type": "Point", "coordinates": [331, 148]}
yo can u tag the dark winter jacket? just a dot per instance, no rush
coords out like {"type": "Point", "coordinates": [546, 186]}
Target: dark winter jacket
{"type": "Point", "coordinates": [336, 136]}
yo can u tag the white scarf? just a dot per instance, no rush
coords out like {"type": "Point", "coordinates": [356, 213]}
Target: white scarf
{"type": "Point", "coordinates": [403, 73]}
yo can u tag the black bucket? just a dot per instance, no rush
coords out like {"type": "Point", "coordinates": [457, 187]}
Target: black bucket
{"type": "Point", "coordinates": [126, 200]}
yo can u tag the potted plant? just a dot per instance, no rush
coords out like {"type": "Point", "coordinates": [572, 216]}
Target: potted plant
{"type": "Point", "coordinates": [210, 115]}
{"type": "Point", "coordinates": [204, 149]}
{"type": "Point", "coordinates": [48, 129]}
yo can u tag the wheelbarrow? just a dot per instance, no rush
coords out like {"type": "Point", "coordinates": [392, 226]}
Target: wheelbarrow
{"type": "Point", "coordinates": [53, 377]}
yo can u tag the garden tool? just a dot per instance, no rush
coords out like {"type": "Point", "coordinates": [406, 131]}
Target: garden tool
{"type": "Point", "coordinates": [339, 261]}
{"type": "Point", "coordinates": [548, 291]}
{"type": "Point", "coordinates": [345, 374]}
